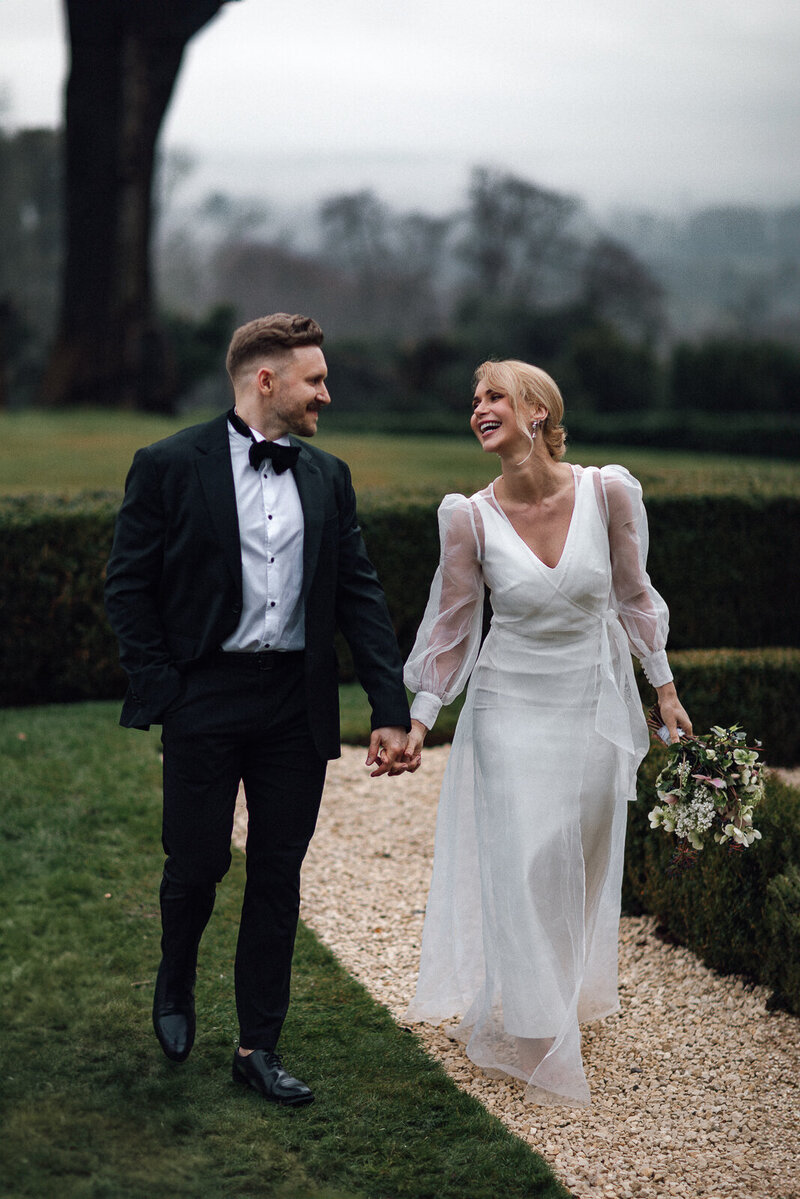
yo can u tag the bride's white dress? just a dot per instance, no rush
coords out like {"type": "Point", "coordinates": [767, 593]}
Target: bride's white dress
{"type": "Point", "coordinates": [521, 927]}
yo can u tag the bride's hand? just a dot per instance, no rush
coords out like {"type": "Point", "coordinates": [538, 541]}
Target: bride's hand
{"type": "Point", "coordinates": [413, 751]}
{"type": "Point", "coordinates": [672, 712]}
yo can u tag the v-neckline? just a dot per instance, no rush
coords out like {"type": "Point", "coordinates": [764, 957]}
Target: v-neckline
{"type": "Point", "coordinates": [531, 551]}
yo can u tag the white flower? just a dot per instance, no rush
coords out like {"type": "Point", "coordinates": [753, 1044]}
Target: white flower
{"type": "Point", "coordinates": [745, 757]}
{"type": "Point", "coordinates": [696, 806]}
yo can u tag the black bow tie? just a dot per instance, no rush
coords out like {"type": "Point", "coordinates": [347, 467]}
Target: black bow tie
{"type": "Point", "coordinates": [283, 456]}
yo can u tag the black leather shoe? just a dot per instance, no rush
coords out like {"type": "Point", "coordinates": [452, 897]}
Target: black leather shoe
{"type": "Point", "coordinates": [173, 1020]}
{"type": "Point", "coordinates": [263, 1071]}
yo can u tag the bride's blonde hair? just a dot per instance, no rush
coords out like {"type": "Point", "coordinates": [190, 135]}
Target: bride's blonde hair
{"type": "Point", "coordinates": [526, 386]}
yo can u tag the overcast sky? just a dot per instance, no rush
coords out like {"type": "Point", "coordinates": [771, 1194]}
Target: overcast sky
{"type": "Point", "coordinates": [623, 102]}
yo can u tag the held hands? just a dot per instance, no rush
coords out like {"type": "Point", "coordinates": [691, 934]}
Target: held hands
{"type": "Point", "coordinates": [413, 754]}
{"type": "Point", "coordinates": [672, 712]}
{"type": "Point", "coordinates": [394, 751]}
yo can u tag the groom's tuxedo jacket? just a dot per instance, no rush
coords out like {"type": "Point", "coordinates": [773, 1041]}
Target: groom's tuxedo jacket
{"type": "Point", "coordinates": [174, 580]}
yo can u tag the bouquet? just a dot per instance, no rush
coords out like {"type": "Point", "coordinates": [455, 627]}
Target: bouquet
{"type": "Point", "coordinates": [710, 787]}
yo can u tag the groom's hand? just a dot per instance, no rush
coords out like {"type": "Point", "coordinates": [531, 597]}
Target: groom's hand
{"type": "Point", "coordinates": [386, 749]}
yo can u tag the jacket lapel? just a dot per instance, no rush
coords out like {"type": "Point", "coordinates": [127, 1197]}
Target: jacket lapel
{"type": "Point", "coordinates": [311, 490]}
{"type": "Point", "coordinates": [216, 480]}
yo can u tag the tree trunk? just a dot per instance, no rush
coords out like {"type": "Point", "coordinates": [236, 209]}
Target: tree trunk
{"type": "Point", "coordinates": [125, 58]}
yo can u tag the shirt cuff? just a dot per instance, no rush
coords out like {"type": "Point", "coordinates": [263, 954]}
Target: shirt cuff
{"type": "Point", "coordinates": [656, 668]}
{"type": "Point", "coordinates": [425, 708]}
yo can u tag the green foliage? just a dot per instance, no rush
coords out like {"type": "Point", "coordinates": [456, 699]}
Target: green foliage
{"type": "Point", "coordinates": [739, 910]}
{"type": "Point", "coordinates": [782, 913]}
{"type": "Point", "coordinates": [770, 434]}
{"type": "Point", "coordinates": [198, 346]}
{"type": "Point", "coordinates": [91, 1108]}
{"type": "Point", "coordinates": [615, 374]}
{"type": "Point", "coordinates": [727, 375]}
{"type": "Point", "coordinates": [721, 564]}
{"type": "Point", "coordinates": [55, 643]}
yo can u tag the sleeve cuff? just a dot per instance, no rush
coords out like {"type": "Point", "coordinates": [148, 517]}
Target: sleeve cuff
{"type": "Point", "coordinates": [425, 708]}
{"type": "Point", "coordinates": [656, 668]}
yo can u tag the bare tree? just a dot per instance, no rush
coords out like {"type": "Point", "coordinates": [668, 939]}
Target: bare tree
{"type": "Point", "coordinates": [519, 244]}
{"type": "Point", "coordinates": [618, 286]}
{"type": "Point", "coordinates": [393, 262]}
{"type": "Point", "coordinates": [125, 58]}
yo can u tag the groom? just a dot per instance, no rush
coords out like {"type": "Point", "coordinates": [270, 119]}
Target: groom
{"type": "Point", "coordinates": [236, 555]}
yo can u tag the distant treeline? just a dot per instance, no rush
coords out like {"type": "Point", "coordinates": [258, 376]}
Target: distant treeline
{"type": "Point", "coordinates": [411, 303]}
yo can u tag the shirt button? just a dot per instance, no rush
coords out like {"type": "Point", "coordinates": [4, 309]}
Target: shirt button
{"type": "Point", "coordinates": [269, 516]}
{"type": "Point", "coordinates": [272, 603]}
{"type": "Point", "coordinates": [272, 560]}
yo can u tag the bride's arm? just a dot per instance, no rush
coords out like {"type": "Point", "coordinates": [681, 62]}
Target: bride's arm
{"type": "Point", "coordinates": [642, 611]}
{"type": "Point", "coordinates": [449, 636]}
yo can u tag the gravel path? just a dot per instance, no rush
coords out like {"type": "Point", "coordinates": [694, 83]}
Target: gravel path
{"type": "Point", "coordinates": [695, 1085]}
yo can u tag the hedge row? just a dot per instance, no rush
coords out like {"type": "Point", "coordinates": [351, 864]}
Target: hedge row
{"type": "Point", "coordinates": [758, 689]}
{"type": "Point", "coordinates": [55, 643]}
{"type": "Point", "coordinates": [771, 435]}
{"type": "Point", "coordinates": [738, 910]}
{"type": "Point", "coordinates": [722, 565]}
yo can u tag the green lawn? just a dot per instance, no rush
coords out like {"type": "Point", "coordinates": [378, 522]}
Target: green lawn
{"type": "Point", "coordinates": [90, 1107]}
{"type": "Point", "coordinates": [77, 451]}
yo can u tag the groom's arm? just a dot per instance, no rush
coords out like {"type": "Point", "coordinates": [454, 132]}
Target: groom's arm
{"type": "Point", "coordinates": [133, 579]}
{"type": "Point", "coordinates": [363, 616]}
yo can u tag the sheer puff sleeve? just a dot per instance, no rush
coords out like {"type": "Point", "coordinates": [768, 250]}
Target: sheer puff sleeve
{"type": "Point", "coordinates": [642, 611]}
{"type": "Point", "coordinates": [449, 636]}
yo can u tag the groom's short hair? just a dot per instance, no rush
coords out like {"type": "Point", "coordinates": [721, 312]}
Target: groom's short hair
{"type": "Point", "coordinates": [270, 335]}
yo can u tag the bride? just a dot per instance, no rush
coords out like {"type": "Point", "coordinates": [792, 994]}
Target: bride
{"type": "Point", "coordinates": [521, 927]}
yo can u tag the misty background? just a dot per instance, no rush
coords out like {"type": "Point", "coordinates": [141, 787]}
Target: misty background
{"type": "Point", "coordinates": [614, 194]}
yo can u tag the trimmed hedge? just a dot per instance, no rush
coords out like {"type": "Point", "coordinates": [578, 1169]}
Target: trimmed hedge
{"type": "Point", "coordinates": [770, 435]}
{"type": "Point", "coordinates": [737, 910]}
{"type": "Point", "coordinates": [55, 642]}
{"type": "Point", "coordinates": [721, 564]}
{"type": "Point", "coordinates": [758, 689]}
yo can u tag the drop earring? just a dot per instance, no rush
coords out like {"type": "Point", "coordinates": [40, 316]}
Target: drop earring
{"type": "Point", "coordinates": [534, 426]}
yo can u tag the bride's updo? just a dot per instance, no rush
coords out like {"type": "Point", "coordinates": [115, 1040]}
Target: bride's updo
{"type": "Point", "coordinates": [527, 386]}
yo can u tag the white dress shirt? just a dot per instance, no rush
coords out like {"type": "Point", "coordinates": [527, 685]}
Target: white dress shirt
{"type": "Point", "coordinates": [271, 536]}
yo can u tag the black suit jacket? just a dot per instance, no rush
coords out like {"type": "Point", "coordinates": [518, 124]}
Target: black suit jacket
{"type": "Point", "coordinates": [174, 580]}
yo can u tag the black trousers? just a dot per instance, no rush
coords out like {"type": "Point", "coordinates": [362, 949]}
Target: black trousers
{"type": "Point", "coordinates": [240, 716]}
